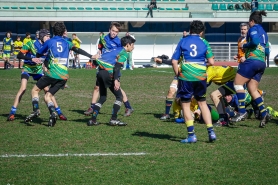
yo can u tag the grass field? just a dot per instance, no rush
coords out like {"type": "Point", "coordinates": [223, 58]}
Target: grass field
{"type": "Point", "coordinates": [242, 154]}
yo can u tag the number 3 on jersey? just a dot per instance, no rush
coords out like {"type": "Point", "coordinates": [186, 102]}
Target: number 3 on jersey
{"type": "Point", "coordinates": [194, 50]}
{"type": "Point", "coordinates": [59, 47]}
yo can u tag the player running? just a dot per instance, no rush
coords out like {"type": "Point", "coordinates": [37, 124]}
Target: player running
{"type": "Point", "coordinates": [193, 78]}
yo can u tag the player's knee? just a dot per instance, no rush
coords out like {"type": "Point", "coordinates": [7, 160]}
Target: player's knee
{"type": "Point", "coordinates": [172, 91]}
{"type": "Point", "coordinates": [102, 99]}
{"type": "Point", "coordinates": [239, 87]}
{"type": "Point", "coordinates": [96, 88]}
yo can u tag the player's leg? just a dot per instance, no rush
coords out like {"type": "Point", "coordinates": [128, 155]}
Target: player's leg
{"type": "Point", "coordinates": [253, 90]}
{"type": "Point", "coordinates": [78, 59]}
{"type": "Point", "coordinates": [5, 61]}
{"type": "Point", "coordinates": [177, 111]}
{"type": "Point", "coordinates": [246, 71]}
{"type": "Point", "coordinates": [170, 98]}
{"type": "Point", "coordinates": [95, 98]}
{"type": "Point", "coordinates": [20, 93]}
{"type": "Point", "coordinates": [41, 84]}
{"type": "Point", "coordinates": [14, 60]}
{"type": "Point", "coordinates": [116, 107]}
{"type": "Point", "coordinates": [57, 108]}
{"type": "Point", "coordinates": [56, 85]}
{"type": "Point", "coordinates": [200, 88]}
{"type": "Point", "coordinates": [128, 108]}
{"type": "Point", "coordinates": [101, 78]}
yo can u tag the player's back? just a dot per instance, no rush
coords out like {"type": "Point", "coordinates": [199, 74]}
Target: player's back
{"type": "Point", "coordinates": [220, 74]}
{"type": "Point", "coordinates": [109, 59]}
{"type": "Point", "coordinates": [194, 49]}
{"type": "Point", "coordinates": [58, 50]}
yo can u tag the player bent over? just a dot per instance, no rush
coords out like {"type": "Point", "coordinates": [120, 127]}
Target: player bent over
{"type": "Point", "coordinates": [193, 78]}
{"type": "Point", "coordinates": [110, 64]}
{"type": "Point", "coordinates": [56, 74]}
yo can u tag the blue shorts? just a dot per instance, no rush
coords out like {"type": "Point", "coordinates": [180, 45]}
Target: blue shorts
{"type": "Point", "coordinates": [25, 75]}
{"type": "Point", "coordinates": [187, 89]}
{"type": "Point", "coordinates": [251, 69]}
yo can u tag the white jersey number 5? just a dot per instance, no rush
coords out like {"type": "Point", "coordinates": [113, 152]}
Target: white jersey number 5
{"type": "Point", "coordinates": [194, 52]}
{"type": "Point", "coordinates": [59, 47]}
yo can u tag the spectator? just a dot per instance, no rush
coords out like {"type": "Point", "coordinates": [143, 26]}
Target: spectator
{"type": "Point", "coordinates": [7, 50]}
{"type": "Point", "coordinates": [267, 53]}
{"type": "Point", "coordinates": [151, 6]}
{"type": "Point", "coordinates": [27, 38]}
{"type": "Point", "coordinates": [76, 41]}
{"type": "Point", "coordinates": [254, 5]}
{"type": "Point", "coordinates": [17, 46]}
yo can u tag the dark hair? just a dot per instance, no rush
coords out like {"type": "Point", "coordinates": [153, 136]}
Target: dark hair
{"type": "Point", "coordinates": [127, 40]}
{"type": "Point", "coordinates": [18, 37]}
{"type": "Point", "coordinates": [59, 28]}
{"type": "Point", "coordinates": [116, 24]}
{"type": "Point", "coordinates": [42, 33]}
{"type": "Point", "coordinates": [256, 16]}
{"type": "Point", "coordinates": [196, 27]}
{"type": "Point", "coordinates": [9, 33]}
{"type": "Point", "coordinates": [74, 34]}
{"type": "Point", "coordinates": [28, 33]}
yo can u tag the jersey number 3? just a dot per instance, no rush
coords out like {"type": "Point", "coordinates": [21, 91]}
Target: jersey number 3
{"type": "Point", "coordinates": [194, 50]}
{"type": "Point", "coordinates": [59, 47]}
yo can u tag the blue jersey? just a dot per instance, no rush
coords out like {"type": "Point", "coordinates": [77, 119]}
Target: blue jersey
{"type": "Point", "coordinates": [107, 43]}
{"type": "Point", "coordinates": [194, 50]}
{"type": "Point", "coordinates": [257, 39]}
{"type": "Point", "coordinates": [57, 49]}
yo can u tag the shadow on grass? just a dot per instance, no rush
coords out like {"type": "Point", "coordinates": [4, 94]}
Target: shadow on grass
{"type": "Point", "coordinates": [157, 136]}
{"type": "Point", "coordinates": [33, 122]}
{"type": "Point", "coordinates": [158, 116]}
{"type": "Point", "coordinates": [82, 112]}
{"type": "Point", "coordinates": [275, 121]}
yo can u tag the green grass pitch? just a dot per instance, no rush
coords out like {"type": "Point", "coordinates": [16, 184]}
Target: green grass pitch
{"type": "Point", "coordinates": [242, 154]}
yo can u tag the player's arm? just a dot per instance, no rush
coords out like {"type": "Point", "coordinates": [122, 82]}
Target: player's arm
{"type": "Point", "coordinates": [175, 59]}
{"type": "Point", "coordinates": [209, 55]}
{"type": "Point", "coordinates": [254, 39]}
{"type": "Point", "coordinates": [120, 62]}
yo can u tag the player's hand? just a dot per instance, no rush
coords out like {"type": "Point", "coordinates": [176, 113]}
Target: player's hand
{"type": "Point", "coordinates": [241, 45]}
{"type": "Point", "coordinates": [36, 60]}
{"type": "Point", "coordinates": [96, 56]}
{"type": "Point", "coordinates": [158, 60]}
{"type": "Point", "coordinates": [116, 85]}
{"type": "Point", "coordinates": [235, 57]}
{"type": "Point", "coordinates": [242, 59]}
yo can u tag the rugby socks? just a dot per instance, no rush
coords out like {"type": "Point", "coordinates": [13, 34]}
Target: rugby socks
{"type": "Point", "coordinates": [58, 110]}
{"type": "Point", "coordinates": [97, 107]}
{"type": "Point", "coordinates": [51, 107]}
{"type": "Point", "coordinates": [13, 110]}
{"type": "Point", "coordinates": [209, 128]}
{"type": "Point", "coordinates": [168, 104]}
{"type": "Point", "coordinates": [241, 102]}
{"type": "Point", "coordinates": [190, 127]}
{"type": "Point", "coordinates": [92, 105]}
{"type": "Point", "coordinates": [260, 103]}
{"type": "Point", "coordinates": [115, 110]}
{"type": "Point", "coordinates": [35, 103]}
{"type": "Point", "coordinates": [127, 105]}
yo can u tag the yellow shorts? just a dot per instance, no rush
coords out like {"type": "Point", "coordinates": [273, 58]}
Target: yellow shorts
{"type": "Point", "coordinates": [6, 55]}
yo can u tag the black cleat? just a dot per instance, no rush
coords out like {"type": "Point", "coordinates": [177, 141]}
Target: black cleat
{"type": "Point", "coordinates": [52, 119]}
{"type": "Point", "coordinates": [265, 120]}
{"type": "Point", "coordinates": [116, 123]}
{"type": "Point", "coordinates": [34, 114]}
{"type": "Point", "coordinates": [92, 123]}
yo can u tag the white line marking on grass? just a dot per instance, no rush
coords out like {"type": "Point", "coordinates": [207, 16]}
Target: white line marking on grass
{"type": "Point", "coordinates": [71, 155]}
{"type": "Point", "coordinates": [162, 71]}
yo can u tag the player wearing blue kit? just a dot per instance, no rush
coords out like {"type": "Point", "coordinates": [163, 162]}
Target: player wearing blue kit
{"type": "Point", "coordinates": [56, 74]}
{"type": "Point", "coordinates": [192, 77]}
{"type": "Point", "coordinates": [107, 43]}
{"type": "Point", "coordinates": [250, 71]}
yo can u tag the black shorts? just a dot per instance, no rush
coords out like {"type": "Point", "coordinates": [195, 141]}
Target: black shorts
{"type": "Point", "coordinates": [54, 84]}
{"type": "Point", "coordinates": [105, 78]}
